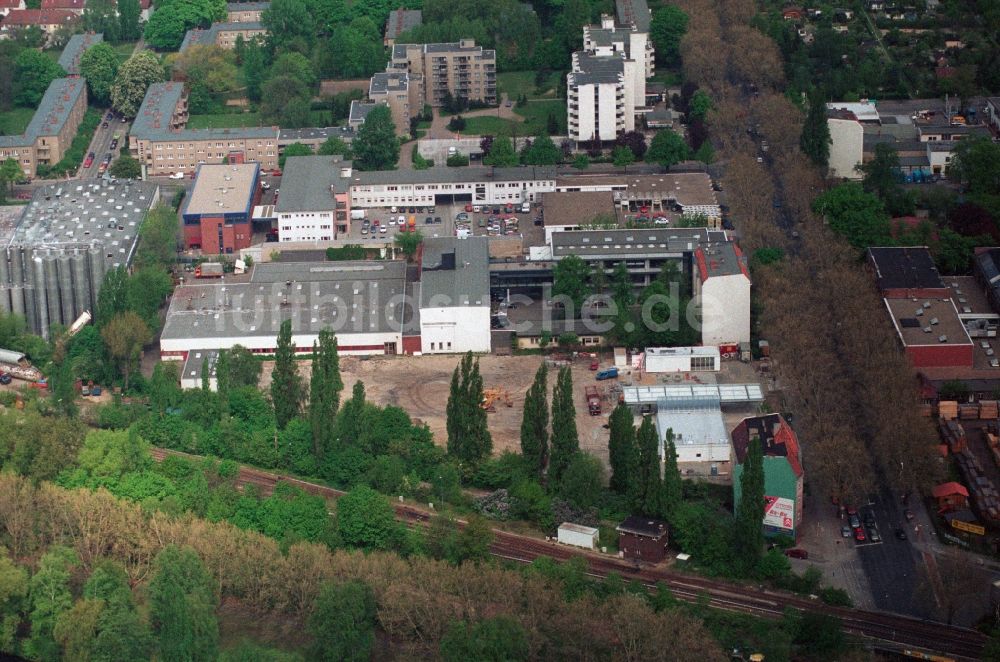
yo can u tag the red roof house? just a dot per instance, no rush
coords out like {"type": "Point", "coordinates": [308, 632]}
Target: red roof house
{"type": "Point", "coordinates": [76, 6]}
{"type": "Point", "coordinates": [951, 496]}
{"type": "Point", "coordinates": [47, 19]}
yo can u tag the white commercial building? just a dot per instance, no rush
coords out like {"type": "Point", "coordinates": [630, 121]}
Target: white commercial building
{"type": "Point", "coordinates": [455, 296]}
{"type": "Point", "coordinates": [681, 359]}
{"type": "Point", "coordinates": [722, 289]}
{"type": "Point", "coordinates": [440, 185]}
{"type": "Point", "coordinates": [577, 535]}
{"type": "Point", "coordinates": [846, 145]}
{"type": "Point", "coordinates": [314, 205]}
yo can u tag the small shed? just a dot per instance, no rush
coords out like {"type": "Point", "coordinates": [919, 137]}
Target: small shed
{"type": "Point", "coordinates": [577, 535]}
{"type": "Point", "coordinates": [951, 496]}
{"type": "Point", "coordinates": [643, 539]}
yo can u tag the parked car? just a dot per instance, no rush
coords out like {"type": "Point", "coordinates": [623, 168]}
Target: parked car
{"type": "Point", "coordinates": [869, 519]}
{"type": "Point", "coordinates": [796, 553]}
{"type": "Point", "coordinates": [177, 175]}
{"type": "Point", "coordinates": [859, 534]}
{"type": "Point", "coordinates": [382, 229]}
{"type": "Point", "coordinates": [854, 520]}
{"type": "Point", "coordinates": [264, 186]}
{"type": "Point", "coordinates": [428, 220]}
{"type": "Point", "coordinates": [89, 161]}
{"type": "Point", "coordinates": [845, 531]}
{"type": "Point", "coordinates": [874, 535]}
{"type": "Point", "coordinates": [437, 219]}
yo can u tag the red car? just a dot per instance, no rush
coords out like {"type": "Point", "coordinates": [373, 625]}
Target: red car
{"type": "Point", "coordinates": [89, 161]}
{"type": "Point", "coordinates": [859, 534]}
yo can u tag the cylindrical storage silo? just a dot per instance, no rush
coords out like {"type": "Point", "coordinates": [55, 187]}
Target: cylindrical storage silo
{"type": "Point", "coordinates": [66, 293]}
{"type": "Point", "coordinates": [17, 301]}
{"type": "Point", "coordinates": [17, 275]}
{"type": "Point", "coordinates": [96, 273]}
{"type": "Point", "coordinates": [4, 268]}
{"type": "Point", "coordinates": [81, 282]}
{"type": "Point", "coordinates": [52, 288]}
{"type": "Point", "coordinates": [40, 299]}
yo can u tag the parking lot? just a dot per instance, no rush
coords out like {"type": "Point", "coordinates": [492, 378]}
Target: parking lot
{"type": "Point", "coordinates": [440, 221]}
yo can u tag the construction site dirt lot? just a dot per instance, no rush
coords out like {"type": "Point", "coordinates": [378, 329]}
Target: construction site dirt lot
{"type": "Point", "coordinates": [420, 384]}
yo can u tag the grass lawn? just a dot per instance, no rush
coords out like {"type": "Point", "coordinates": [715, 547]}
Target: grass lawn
{"type": "Point", "coordinates": [124, 50]}
{"type": "Point", "coordinates": [537, 114]}
{"type": "Point", "coordinates": [14, 121]}
{"type": "Point", "coordinates": [516, 83]}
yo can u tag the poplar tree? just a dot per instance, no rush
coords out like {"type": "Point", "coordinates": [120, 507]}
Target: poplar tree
{"type": "Point", "coordinates": [324, 392]}
{"type": "Point", "coordinates": [350, 417]}
{"type": "Point", "coordinates": [649, 486]}
{"type": "Point", "coordinates": [673, 487]}
{"type": "Point", "coordinates": [469, 437]}
{"type": "Point", "coordinates": [622, 452]}
{"type": "Point", "coordinates": [535, 424]}
{"type": "Point", "coordinates": [749, 530]}
{"type": "Point", "coordinates": [565, 441]}
{"type": "Point", "coordinates": [815, 138]}
{"type": "Point", "coordinates": [286, 385]}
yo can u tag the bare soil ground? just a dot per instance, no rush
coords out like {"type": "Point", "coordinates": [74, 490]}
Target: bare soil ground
{"type": "Point", "coordinates": [419, 385]}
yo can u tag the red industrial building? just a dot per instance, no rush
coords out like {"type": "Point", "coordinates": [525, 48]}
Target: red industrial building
{"type": "Point", "coordinates": [217, 216]}
{"type": "Point", "coordinates": [643, 539]}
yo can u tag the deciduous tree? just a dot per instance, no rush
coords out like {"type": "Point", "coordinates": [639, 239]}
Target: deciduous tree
{"type": "Point", "coordinates": [569, 279]}
{"type": "Point", "coordinates": [125, 336]}
{"type": "Point", "coordinates": [99, 67]}
{"type": "Point", "coordinates": [365, 519]}
{"type": "Point", "coordinates": [667, 148]}
{"type": "Point", "coordinates": [501, 154]}
{"type": "Point", "coordinates": [33, 72]}
{"type": "Point", "coordinates": [182, 606]}
{"type": "Point", "coordinates": [376, 146]}
{"type": "Point", "coordinates": [342, 622]}
{"type": "Point", "coordinates": [134, 77]}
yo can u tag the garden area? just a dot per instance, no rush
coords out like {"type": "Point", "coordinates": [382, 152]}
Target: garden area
{"type": "Point", "coordinates": [14, 121]}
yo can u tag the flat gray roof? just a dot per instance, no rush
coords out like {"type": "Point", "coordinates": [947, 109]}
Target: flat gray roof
{"type": "Point", "coordinates": [197, 361]}
{"type": "Point", "coordinates": [576, 208]}
{"type": "Point", "coordinates": [347, 300]}
{"type": "Point", "coordinates": [86, 213]}
{"type": "Point", "coordinates": [52, 113]}
{"type": "Point", "coordinates": [288, 136]}
{"type": "Point", "coordinates": [439, 174]}
{"type": "Point", "coordinates": [632, 242]}
{"type": "Point", "coordinates": [593, 69]}
{"type": "Point", "coordinates": [306, 182]}
{"type": "Point", "coordinates": [720, 259]}
{"type": "Point", "coordinates": [388, 81]}
{"type": "Point", "coordinates": [77, 45]}
{"type": "Point", "coordinates": [399, 50]}
{"type": "Point", "coordinates": [634, 13]}
{"type": "Point", "coordinates": [282, 272]}
{"type": "Point", "coordinates": [152, 122]}
{"type": "Point", "coordinates": [359, 111]}
{"type": "Point", "coordinates": [223, 189]}
{"type": "Point", "coordinates": [455, 272]}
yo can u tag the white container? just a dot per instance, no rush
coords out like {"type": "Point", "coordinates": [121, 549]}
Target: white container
{"type": "Point", "coordinates": [577, 535]}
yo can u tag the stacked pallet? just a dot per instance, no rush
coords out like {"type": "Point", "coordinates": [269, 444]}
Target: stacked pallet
{"type": "Point", "coordinates": [968, 412]}
{"type": "Point", "coordinates": [954, 434]}
{"type": "Point", "coordinates": [947, 410]}
{"type": "Point", "coordinates": [989, 409]}
{"type": "Point", "coordinates": [984, 493]}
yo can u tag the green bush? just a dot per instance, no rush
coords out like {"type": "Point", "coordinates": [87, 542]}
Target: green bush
{"type": "Point", "coordinates": [458, 160]}
{"type": "Point", "coordinates": [836, 597]}
{"type": "Point", "coordinates": [349, 252]}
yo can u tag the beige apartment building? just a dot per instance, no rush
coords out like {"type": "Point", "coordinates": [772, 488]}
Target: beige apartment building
{"type": "Point", "coordinates": [52, 128]}
{"type": "Point", "coordinates": [462, 68]}
{"type": "Point", "coordinates": [223, 35]}
{"type": "Point", "coordinates": [394, 89]}
{"type": "Point", "coordinates": [163, 146]}
{"type": "Point", "coordinates": [245, 12]}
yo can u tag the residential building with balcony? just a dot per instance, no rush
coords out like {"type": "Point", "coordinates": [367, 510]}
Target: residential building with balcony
{"type": "Point", "coordinates": [52, 128]}
{"type": "Point", "coordinates": [462, 69]}
{"type": "Point", "coordinates": [393, 89]}
{"type": "Point", "coordinates": [162, 144]}
{"type": "Point", "coordinates": [600, 97]}
{"type": "Point", "coordinates": [223, 35]}
{"type": "Point", "coordinates": [245, 12]}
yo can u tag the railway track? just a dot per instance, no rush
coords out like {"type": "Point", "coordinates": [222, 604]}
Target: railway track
{"type": "Point", "coordinates": [901, 631]}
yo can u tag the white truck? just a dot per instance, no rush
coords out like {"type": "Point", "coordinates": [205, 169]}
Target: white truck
{"type": "Point", "coordinates": [357, 214]}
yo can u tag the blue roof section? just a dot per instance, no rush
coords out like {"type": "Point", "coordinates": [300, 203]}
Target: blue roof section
{"type": "Point", "coordinates": [152, 122]}
{"type": "Point", "coordinates": [52, 113]}
{"type": "Point", "coordinates": [78, 45]}
{"type": "Point", "coordinates": [208, 37]}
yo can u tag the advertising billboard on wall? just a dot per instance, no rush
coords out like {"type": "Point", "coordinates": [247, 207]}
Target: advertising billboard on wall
{"type": "Point", "coordinates": [779, 513]}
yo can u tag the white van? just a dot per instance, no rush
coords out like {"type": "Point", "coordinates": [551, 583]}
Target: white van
{"type": "Point", "coordinates": [357, 214]}
{"type": "Point", "coordinates": [525, 207]}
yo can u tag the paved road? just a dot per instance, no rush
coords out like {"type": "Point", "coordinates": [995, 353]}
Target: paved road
{"type": "Point", "coordinates": [101, 145]}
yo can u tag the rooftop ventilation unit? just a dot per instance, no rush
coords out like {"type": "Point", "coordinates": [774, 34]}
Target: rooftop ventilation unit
{"type": "Point", "coordinates": [942, 338]}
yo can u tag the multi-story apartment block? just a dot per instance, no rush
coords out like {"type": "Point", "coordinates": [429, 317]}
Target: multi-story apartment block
{"type": "Point", "coordinates": [463, 69]}
{"type": "Point", "coordinates": [163, 146]}
{"type": "Point", "coordinates": [223, 35]}
{"type": "Point", "coordinates": [399, 22]}
{"type": "Point", "coordinates": [607, 84]}
{"type": "Point", "coordinates": [393, 89]}
{"type": "Point", "coordinates": [52, 128]}
{"type": "Point", "coordinates": [245, 12]}
{"type": "Point", "coordinates": [48, 20]}
{"type": "Point", "coordinates": [77, 45]}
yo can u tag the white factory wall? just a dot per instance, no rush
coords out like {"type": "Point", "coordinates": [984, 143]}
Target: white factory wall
{"type": "Point", "coordinates": [175, 348]}
{"type": "Point", "coordinates": [306, 226]}
{"type": "Point", "coordinates": [697, 453]}
{"type": "Point", "coordinates": [570, 536]}
{"type": "Point", "coordinates": [846, 148]}
{"type": "Point", "coordinates": [680, 362]}
{"type": "Point", "coordinates": [725, 310]}
{"type": "Point", "coordinates": [455, 329]}
{"type": "Point", "coordinates": [490, 193]}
